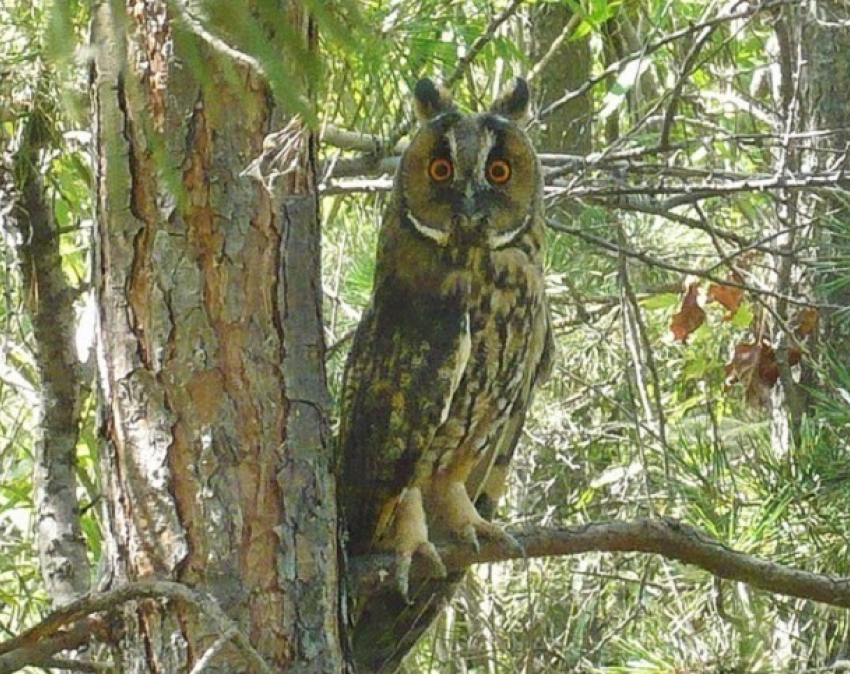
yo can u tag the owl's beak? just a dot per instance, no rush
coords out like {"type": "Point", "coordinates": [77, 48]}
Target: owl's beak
{"type": "Point", "coordinates": [469, 217]}
{"type": "Point", "coordinates": [468, 211]}
{"type": "Point", "coordinates": [468, 208]}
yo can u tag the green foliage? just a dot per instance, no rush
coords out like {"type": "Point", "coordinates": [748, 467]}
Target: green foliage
{"type": "Point", "coordinates": [632, 423]}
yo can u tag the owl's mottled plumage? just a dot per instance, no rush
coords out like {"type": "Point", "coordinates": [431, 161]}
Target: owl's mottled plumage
{"type": "Point", "coordinates": [457, 334]}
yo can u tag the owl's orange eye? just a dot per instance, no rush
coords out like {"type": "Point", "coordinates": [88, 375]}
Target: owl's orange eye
{"type": "Point", "coordinates": [498, 171]}
{"type": "Point", "coordinates": [440, 170]}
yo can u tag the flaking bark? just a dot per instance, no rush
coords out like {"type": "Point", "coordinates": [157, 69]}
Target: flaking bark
{"type": "Point", "coordinates": [217, 458]}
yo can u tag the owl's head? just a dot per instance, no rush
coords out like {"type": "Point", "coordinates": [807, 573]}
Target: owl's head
{"type": "Point", "coordinates": [469, 180]}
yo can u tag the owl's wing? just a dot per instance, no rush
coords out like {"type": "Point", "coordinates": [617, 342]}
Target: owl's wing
{"type": "Point", "coordinates": [404, 367]}
{"type": "Point", "coordinates": [486, 484]}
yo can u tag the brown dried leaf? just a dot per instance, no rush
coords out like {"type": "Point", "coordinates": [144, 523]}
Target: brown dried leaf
{"type": "Point", "coordinates": [730, 297]}
{"type": "Point", "coordinates": [744, 362]}
{"type": "Point", "coordinates": [690, 317]}
{"type": "Point", "coordinates": [768, 367]}
{"type": "Point", "coordinates": [795, 355]}
{"type": "Point", "coordinates": [807, 321]}
{"type": "Point", "coordinates": [754, 366]}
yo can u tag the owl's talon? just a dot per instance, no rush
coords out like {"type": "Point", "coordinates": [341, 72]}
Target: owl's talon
{"type": "Point", "coordinates": [403, 563]}
{"type": "Point", "coordinates": [468, 536]}
{"type": "Point", "coordinates": [429, 552]}
{"type": "Point", "coordinates": [473, 533]}
{"type": "Point", "coordinates": [402, 575]}
{"type": "Point", "coordinates": [513, 542]}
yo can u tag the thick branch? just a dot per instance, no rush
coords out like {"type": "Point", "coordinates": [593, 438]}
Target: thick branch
{"type": "Point", "coordinates": [41, 652]}
{"type": "Point", "coordinates": [666, 537]}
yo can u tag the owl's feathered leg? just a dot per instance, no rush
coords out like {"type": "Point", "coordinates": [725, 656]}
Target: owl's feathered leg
{"type": "Point", "coordinates": [409, 536]}
{"type": "Point", "coordinates": [454, 514]}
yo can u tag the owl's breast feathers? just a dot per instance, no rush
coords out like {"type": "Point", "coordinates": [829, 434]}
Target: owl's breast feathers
{"type": "Point", "coordinates": [440, 374]}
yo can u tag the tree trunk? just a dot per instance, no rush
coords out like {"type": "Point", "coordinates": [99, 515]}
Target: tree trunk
{"type": "Point", "coordinates": [49, 300]}
{"type": "Point", "coordinates": [217, 463]}
{"type": "Point", "coordinates": [564, 65]}
{"type": "Point", "coordinates": [815, 62]}
{"type": "Point", "coordinates": [826, 58]}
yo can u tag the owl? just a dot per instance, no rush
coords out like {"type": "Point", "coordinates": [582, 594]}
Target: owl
{"type": "Point", "coordinates": [453, 342]}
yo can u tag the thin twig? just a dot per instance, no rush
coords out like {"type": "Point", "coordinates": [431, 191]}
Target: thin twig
{"type": "Point", "coordinates": [675, 93]}
{"type": "Point", "coordinates": [481, 41]}
{"type": "Point", "coordinates": [687, 193]}
{"type": "Point", "coordinates": [463, 63]}
{"type": "Point", "coordinates": [679, 269]}
{"type": "Point", "coordinates": [628, 315]}
{"type": "Point", "coordinates": [749, 11]}
{"type": "Point", "coordinates": [569, 27]}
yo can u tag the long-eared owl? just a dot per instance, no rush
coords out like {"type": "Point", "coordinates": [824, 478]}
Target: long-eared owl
{"type": "Point", "coordinates": [455, 338]}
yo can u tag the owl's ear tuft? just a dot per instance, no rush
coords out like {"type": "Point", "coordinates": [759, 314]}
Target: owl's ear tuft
{"type": "Point", "coordinates": [513, 102]}
{"type": "Point", "coordinates": [431, 100]}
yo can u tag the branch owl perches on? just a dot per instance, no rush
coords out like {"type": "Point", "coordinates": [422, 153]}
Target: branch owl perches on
{"type": "Point", "coordinates": [455, 338]}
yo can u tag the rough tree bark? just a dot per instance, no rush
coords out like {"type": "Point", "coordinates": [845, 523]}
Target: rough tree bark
{"type": "Point", "coordinates": [562, 64]}
{"type": "Point", "coordinates": [825, 52]}
{"type": "Point", "coordinates": [217, 464]}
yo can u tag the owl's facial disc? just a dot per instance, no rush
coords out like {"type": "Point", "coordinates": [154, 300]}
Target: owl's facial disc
{"type": "Point", "coordinates": [469, 181]}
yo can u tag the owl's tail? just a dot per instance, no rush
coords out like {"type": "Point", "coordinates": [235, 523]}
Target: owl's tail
{"type": "Point", "coordinates": [388, 627]}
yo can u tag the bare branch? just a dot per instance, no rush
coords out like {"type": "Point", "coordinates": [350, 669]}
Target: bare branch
{"type": "Point", "coordinates": [676, 92]}
{"type": "Point", "coordinates": [680, 193]}
{"type": "Point", "coordinates": [482, 41]}
{"type": "Point", "coordinates": [344, 139]}
{"type": "Point", "coordinates": [40, 652]}
{"type": "Point", "coordinates": [196, 26]}
{"type": "Point", "coordinates": [463, 63]}
{"type": "Point", "coordinates": [356, 186]}
{"type": "Point", "coordinates": [749, 11]}
{"type": "Point", "coordinates": [666, 537]}
{"type": "Point", "coordinates": [559, 164]}
{"type": "Point", "coordinates": [74, 624]}
{"type": "Point", "coordinates": [557, 43]}
{"type": "Point", "coordinates": [707, 274]}
{"type": "Point", "coordinates": [688, 193]}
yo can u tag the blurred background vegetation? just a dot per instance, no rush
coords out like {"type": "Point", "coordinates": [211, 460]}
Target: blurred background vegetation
{"type": "Point", "coordinates": [672, 394]}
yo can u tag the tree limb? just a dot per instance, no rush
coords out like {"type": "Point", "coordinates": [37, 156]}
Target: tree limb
{"type": "Point", "coordinates": [74, 623]}
{"type": "Point", "coordinates": [666, 537]}
{"type": "Point", "coordinates": [40, 652]}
